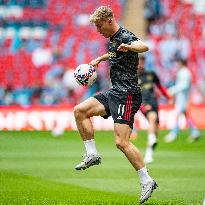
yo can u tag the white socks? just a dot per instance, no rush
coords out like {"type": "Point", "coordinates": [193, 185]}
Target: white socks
{"type": "Point", "coordinates": [144, 176]}
{"type": "Point", "coordinates": [151, 139]}
{"type": "Point", "coordinates": [149, 155]}
{"type": "Point", "coordinates": [90, 147]}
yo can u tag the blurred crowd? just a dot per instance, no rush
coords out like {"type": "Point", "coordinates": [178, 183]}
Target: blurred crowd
{"type": "Point", "coordinates": [43, 41]}
{"type": "Point", "coordinates": [176, 30]}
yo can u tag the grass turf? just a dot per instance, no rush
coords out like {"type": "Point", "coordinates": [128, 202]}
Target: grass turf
{"type": "Point", "coordinates": [36, 168]}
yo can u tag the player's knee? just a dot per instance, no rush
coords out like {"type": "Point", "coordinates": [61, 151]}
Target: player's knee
{"type": "Point", "coordinates": [121, 144]}
{"type": "Point", "coordinates": [78, 112]}
{"type": "Point", "coordinates": [152, 117]}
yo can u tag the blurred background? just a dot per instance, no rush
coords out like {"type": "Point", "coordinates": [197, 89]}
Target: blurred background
{"type": "Point", "coordinates": [41, 44]}
{"type": "Point", "coordinates": [43, 41]}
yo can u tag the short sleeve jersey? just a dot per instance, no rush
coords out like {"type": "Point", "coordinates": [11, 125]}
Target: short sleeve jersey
{"type": "Point", "coordinates": [123, 72]}
{"type": "Point", "coordinates": [147, 82]}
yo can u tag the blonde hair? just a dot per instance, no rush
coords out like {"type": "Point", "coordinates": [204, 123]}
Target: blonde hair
{"type": "Point", "coordinates": [101, 13]}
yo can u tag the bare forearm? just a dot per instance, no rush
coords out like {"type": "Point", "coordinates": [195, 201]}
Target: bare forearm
{"type": "Point", "coordinates": [164, 91]}
{"type": "Point", "coordinates": [138, 47]}
{"type": "Point", "coordinates": [96, 61]}
{"type": "Point", "coordinates": [103, 57]}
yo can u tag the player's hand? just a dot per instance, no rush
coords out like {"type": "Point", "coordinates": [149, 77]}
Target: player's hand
{"type": "Point", "coordinates": [171, 101]}
{"type": "Point", "coordinates": [95, 62]}
{"type": "Point", "coordinates": [123, 47]}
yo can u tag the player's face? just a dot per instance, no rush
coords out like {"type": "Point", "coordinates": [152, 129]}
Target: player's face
{"type": "Point", "coordinates": [104, 27]}
{"type": "Point", "coordinates": [179, 65]}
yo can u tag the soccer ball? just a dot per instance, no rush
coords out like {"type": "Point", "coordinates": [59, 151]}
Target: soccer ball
{"type": "Point", "coordinates": [85, 74]}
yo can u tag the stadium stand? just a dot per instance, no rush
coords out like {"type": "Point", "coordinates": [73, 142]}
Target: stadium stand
{"type": "Point", "coordinates": [40, 37]}
{"type": "Point", "coordinates": [176, 30]}
{"type": "Point", "coordinates": [42, 41]}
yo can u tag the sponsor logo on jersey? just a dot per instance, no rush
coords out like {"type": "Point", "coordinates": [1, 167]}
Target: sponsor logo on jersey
{"type": "Point", "coordinates": [112, 54]}
{"type": "Point", "coordinates": [149, 77]}
{"type": "Point", "coordinates": [147, 86]}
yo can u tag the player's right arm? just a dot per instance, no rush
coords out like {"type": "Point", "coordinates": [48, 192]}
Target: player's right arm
{"type": "Point", "coordinates": [135, 46]}
{"type": "Point", "coordinates": [96, 61]}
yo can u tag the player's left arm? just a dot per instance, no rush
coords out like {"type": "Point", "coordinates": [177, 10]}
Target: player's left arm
{"type": "Point", "coordinates": [135, 46]}
{"type": "Point", "coordinates": [163, 89]}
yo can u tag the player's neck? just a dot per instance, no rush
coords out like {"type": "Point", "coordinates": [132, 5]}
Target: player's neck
{"type": "Point", "coordinates": [116, 27]}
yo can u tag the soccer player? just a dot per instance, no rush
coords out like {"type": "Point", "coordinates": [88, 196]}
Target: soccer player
{"type": "Point", "coordinates": [148, 81]}
{"type": "Point", "coordinates": [121, 102]}
{"type": "Point", "coordinates": [181, 91]}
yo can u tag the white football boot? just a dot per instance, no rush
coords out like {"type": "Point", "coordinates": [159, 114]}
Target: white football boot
{"type": "Point", "coordinates": [147, 190]}
{"type": "Point", "coordinates": [170, 137]}
{"type": "Point", "coordinates": [89, 160]}
{"type": "Point", "coordinates": [195, 135]}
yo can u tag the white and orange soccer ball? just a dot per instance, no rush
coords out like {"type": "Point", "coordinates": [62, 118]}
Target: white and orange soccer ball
{"type": "Point", "coordinates": [85, 74]}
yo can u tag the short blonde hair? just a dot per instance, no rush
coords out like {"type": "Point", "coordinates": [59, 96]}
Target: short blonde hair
{"type": "Point", "coordinates": [101, 13]}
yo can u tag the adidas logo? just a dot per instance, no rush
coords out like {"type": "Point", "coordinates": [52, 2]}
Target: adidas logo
{"type": "Point", "coordinates": [119, 118]}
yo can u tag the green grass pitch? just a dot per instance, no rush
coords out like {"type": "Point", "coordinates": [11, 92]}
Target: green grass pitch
{"type": "Point", "coordinates": [36, 168]}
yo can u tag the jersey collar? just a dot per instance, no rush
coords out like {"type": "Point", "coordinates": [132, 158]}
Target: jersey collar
{"type": "Point", "coordinates": [112, 37]}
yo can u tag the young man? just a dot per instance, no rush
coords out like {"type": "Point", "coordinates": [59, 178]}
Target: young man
{"type": "Point", "coordinates": [148, 81]}
{"type": "Point", "coordinates": [121, 102]}
{"type": "Point", "coordinates": [181, 91]}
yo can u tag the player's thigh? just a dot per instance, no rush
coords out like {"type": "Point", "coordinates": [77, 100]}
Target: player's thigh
{"type": "Point", "coordinates": [152, 116]}
{"type": "Point", "coordinates": [90, 107]}
{"type": "Point", "coordinates": [122, 133]}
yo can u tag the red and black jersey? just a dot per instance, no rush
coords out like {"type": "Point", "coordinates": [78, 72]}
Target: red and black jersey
{"type": "Point", "coordinates": [147, 81]}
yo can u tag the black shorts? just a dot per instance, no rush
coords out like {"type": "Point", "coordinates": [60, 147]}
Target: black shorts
{"type": "Point", "coordinates": [148, 107]}
{"type": "Point", "coordinates": [121, 105]}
